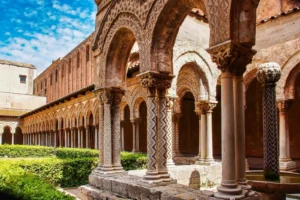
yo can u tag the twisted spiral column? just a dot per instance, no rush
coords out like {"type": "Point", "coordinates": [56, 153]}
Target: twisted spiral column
{"type": "Point", "coordinates": [268, 74]}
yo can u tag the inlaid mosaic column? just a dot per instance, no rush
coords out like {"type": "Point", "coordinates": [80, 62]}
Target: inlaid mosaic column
{"type": "Point", "coordinates": [285, 162]}
{"type": "Point", "coordinates": [162, 135]}
{"type": "Point", "coordinates": [116, 131]}
{"type": "Point", "coordinates": [268, 74]}
{"type": "Point", "coordinates": [169, 107]}
{"type": "Point", "coordinates": [152, 173]}
{"type": "Point", "coordinates": [176, 118]}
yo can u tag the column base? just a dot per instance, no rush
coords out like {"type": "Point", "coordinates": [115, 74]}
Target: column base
{"type": "Point", "coordinates": [151, 177]}
{"type": "Point", "coordinates": [170, 163]}
{"type": "Point", "coordinates": [207, 162]}
{"type": "Point", "coordinates": [229, 193]}
{"type": "Point", "coordinates": [288, 166]}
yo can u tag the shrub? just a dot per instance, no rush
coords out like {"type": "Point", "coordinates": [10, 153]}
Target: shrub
{"type": "Point", "coordinates": [76, 153]}
{"type": "Point", "coordinates": [59, 172]}
{"type": "Point", "coordinates": [22, 185]}
{"type": "Point", "coordinates": [17, 151]}
{"type": "Point", "coordinates": [132, 161]}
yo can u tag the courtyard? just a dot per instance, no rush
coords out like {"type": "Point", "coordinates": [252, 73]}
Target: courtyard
{"type": "Point", "coordinates": [173, 99]}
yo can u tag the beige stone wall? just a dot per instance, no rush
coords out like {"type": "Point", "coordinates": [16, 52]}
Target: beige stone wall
{"type": "Point", "coordinates": [20, 101]}
{"type": "Point", "coordinates": [10, 79]}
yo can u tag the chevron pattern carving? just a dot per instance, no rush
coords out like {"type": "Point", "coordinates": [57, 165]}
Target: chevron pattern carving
{"type": "Point", "coordinates": [151, 137]}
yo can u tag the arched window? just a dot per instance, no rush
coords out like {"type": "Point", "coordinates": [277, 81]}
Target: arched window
{"type": "Point", "coordinates": [70, 63]}
{"type": "Point", "coordinates": [87, 53]}
{"type": "Point", "coordinates": [78, 60]}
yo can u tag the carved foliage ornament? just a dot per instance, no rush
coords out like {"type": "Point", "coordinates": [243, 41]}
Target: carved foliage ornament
{"type": "Point", "coordinates": [156, 80]}
{"type": "Point", "coordinates": [231, 57]}
{"type": "Point", "coordinates": [284, 105]}
{"type": "Point", "coordinates": [204, 107]}
{"type": "Point", "coordinates": [268, 73]}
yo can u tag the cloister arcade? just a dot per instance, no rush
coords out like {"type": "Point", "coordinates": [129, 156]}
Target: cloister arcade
{"type": "Point", "coordinates": [157, 91]}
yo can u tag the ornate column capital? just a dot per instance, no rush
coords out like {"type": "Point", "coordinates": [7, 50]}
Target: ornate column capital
{"type": "Point", "coordinates": [204, 107]}
{"type": "Point", "coordinates": [152, 80]}
{"type": "Point", "coordinates": [110, 95]}
{"type": "Point", "coordinates": [231, 57]}
{"type": "Point", "coordinates": [284, 105]}
{"type": "Point", "coordinates": [268, 73]}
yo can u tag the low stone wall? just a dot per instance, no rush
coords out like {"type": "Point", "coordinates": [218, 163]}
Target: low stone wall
{"type": "Point", "coordinates": [194, 176]}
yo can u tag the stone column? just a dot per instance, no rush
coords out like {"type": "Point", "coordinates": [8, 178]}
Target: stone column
{"type": "Point", "coordinates": [152, 173]}
{"type": "Point", "coordinates": [268, 74]}
{"type": "Point", "coordinates": [87, 135]}
{"type": "Point", "coordinates": [101, 132]}
{"type": "Point", "coordinates": [202, 110]}
{"type": "Point", "coordinates": [66, 137]}
{"type": "Point", "coordinates": [116, 135]}
{"type": "Point", "coordinates": [122, 136]}
{"type": "Point", "coordinates": [209, 140]}
{"type": "Point", "coordinates": [0, 138]}
{"type": "Point", "coordinates": [46, 134]}
{"type": "Point", "coordinates": [12, 138]}
{"type": "Point", "coordinates": [169, 107]}
{"type": "Point", "coordinates": [96, 137]}
{"type": "Point", "coordinates": [239, 110]}
{"type": "Point", "coordinates": [81, 137]}
{"type": "Point", "coordinates": [285, 162]}
{"type": "Point", "coordinates": [59, 137]}
{"type": "Point", "coordinates": [78, 138]}
{"type": "Point", "coordinates": [133, 135]}
{"type": "Point", "coordinates": [176, 118]}
{"type": "Point", "coordinates": [137, 135]}
{"type": "Point", "coordinates": [230, 57]}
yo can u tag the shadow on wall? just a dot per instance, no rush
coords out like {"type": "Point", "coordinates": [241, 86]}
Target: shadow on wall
{"type": "Point", "coordinates": [195, 180]}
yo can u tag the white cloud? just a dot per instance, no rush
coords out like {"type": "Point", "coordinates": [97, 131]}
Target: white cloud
{"type": "Point", "coordinates": [30, 13]}
{"type": "Point", "coordinates": [7, 33]}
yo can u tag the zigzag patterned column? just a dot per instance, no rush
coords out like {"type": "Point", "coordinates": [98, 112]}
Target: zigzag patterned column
{"type": "Point", "coordinates": [169, 124]}
{"type": "Point", "coordinates": [268, 74]}
{"type": "Point", "coordinates": [162, 136]}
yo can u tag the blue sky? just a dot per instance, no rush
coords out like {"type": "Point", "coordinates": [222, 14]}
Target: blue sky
{"type": "Point", "coordinates": [40, 31]}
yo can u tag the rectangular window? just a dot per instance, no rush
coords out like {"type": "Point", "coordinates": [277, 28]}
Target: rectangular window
{"type": "Point", "coordinates": [87, 53]}
{"type": "Point", "coordinates": [62, 71]}
{"type": "Point", "coordinates": [56, 75]}
{"type": "Point", "coordinates": [70, 65]}
{"type": "Point", "coordinates": [78, 60]}
{"type": "Point", "coordinates": [22, 78]}
{"type": "Point", "coordinates": [51, 79]}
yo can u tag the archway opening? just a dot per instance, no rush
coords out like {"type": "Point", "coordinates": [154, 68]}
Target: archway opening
{"type": "Point", "coordinates": [188, 126]}
{"type": "Point", "coordinates": [91, 136]}
{"type": "Point", "coordinates": [18, 136]}
{"type": "Point", "coordinates": [143, 127]}
{"type": "Point", "coordinates": [7, 136]}
{"type": "Point", "coordinates": [128, 137]}
{"type": "Point", "coordinates": [293, 123]}
{"type": "Point", "coordinates": [216, 126]}
{"type": "Point", "coordinates": [254, 125]}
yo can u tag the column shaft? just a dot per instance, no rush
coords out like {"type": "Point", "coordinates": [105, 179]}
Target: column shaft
{"type": "Point", "coordinates": [238, 91]}
{"type": "Point", "coordinates": [133, 136]}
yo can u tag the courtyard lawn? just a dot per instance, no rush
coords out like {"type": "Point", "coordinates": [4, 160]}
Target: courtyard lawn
{"type": "Point", "coordinates": [23, 168]}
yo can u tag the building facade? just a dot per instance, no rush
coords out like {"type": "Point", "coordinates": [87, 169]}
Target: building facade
{"type": "Point", "coordinates": [16, 99]}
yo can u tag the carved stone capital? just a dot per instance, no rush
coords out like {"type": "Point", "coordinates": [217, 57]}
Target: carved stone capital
{"type": "Point", "coordinates": [284, 105]}
{"type": "Point", "coordinates": [204, 107]}
{"type": "Point", "coordinates": [268, 73]}
{"type": "Point", "coordinates": [152, 79]}
{"type": "Point", "coordinates": [110, 95]}
{"type": "Point", "coordinates": [231, 57]}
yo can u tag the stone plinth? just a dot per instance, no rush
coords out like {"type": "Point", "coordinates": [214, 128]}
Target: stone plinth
{"type": "Point", "coordinates": [131, 187]}
{"type": "Point", "coordinates": [288, 166]}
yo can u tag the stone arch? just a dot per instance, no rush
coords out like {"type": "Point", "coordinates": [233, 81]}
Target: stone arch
{"type": "Point", "coordinates": [136, 107]}
{"type": "Point", "coordinates": [125, 30]}
{"type": "Point", "coordinates": [208, 71]}
{"type": "Point", "coordinates": [18, 137]}
{"type": "Point", "coordinates": [190, 77]}
{"type": "Point", "coordinates": [290, 70]}
{"type": "Point", "coordinates": [7, 135]}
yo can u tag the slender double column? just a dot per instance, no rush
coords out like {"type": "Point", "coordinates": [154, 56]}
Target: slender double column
{"type": "Point", "coordinates": [232, 59]}
{"type": "Point", "coordinates": [109, 131]}
{"type": "Point", "coordinates": [135, 135]}
{"type": "Point", "coordinates": [206, 145]}
{"type": "Point", "coordinates": [156, 85]}
{"type": "Point", "coordinates": [285, 162]}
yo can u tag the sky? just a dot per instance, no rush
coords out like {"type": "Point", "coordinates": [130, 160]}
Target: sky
{"type": "Point", "coordinates": [40, 31]}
